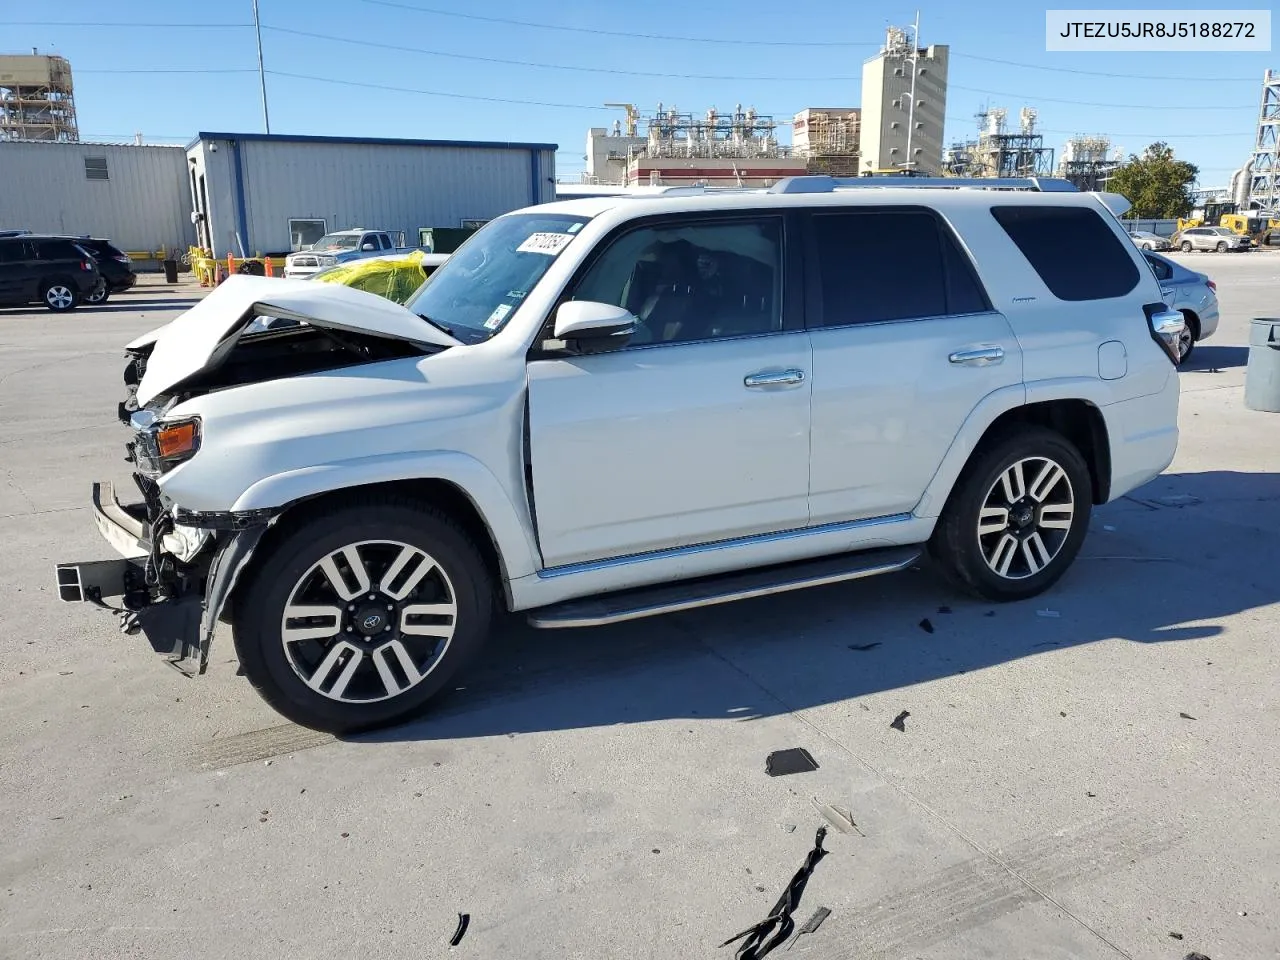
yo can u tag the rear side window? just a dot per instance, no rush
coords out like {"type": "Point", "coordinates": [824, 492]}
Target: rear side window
{"type": "Point", "coordinates": [57, 250]}
{"type": "Point", "coordinates": [1072, 249]}
{"type": "Point", "coordinates": [12, 251]}
{"type": "Point", "coordinates": [1161, 269]}
{"type": "Point", "coordinates": [884, 264]}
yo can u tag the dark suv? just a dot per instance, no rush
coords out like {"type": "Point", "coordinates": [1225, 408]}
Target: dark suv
{"type": "Point", "coordinates": [113, 263]}
{"type": "Point", "coordinates": [55, 271]}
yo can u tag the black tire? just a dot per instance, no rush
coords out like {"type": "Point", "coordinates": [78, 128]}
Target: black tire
{"type": "Point", "coordinates": [1186, 246]}
{"type": "Point", "coordinates": [259, 624]}
{"type": "Point", "coordinates": [100, 294]}
{"type": "Point", "coordinates": [1145, 246]}
{"type": "Point", "coordinates": [59, 295]}
{"type": "Point", "coordinates": [1221, 247]}
{"type": "Point", "coordinates": [956, 546]}
{"type": "Point", "coordinates": [1187, 342]}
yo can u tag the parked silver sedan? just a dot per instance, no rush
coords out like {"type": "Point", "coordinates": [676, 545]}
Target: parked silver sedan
{"type": "Point", "coordinates": [1191, 293]}
{"type": "Point", "coordinates": [1212, 238]}
{"type": "Point", "coordinates": [1145, 240]}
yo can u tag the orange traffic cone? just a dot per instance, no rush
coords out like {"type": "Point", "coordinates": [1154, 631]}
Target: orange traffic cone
{"type": "Point", "coordinates": [231, 264]}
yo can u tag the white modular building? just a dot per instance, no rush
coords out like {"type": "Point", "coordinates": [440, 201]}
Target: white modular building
{"type": "Point", "coordinates": [274, 193]}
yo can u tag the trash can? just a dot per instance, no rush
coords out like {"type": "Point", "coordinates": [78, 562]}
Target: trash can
{"type": "Point", "coordinates": [171, 271]}
{"type": "Point", "coordinates": [1262, 377]}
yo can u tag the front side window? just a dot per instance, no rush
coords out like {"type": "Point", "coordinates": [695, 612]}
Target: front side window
{"type": "Point", "coordinates": [891, 264]}
{"type": "Point", "coordinates": [1099, 267]}
{"type": "Point", "coordinates": [475, 292]}
{"type": "Point", "coordinates": [693, 281]}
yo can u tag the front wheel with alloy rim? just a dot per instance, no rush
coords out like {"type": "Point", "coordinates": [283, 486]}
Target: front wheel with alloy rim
{"type": "Point", "coordinates": [358, 618]}
{"type": "Point", "coordinates": [1186, 339]}
{"type": "Point", "coordinates": [59, 296]}
{"type": "Point", "coordinates": [1186, 246]}
{"type": "Point", "coordinates": [1017, 517]}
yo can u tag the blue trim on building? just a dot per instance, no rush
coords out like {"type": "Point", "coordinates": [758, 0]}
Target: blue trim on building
{"type": "Point", "coordinates": [535, 176]}
{"type": "Point", "coordinates": [242, 218]}
{"type": "Point", "coordinates": [385, 141]}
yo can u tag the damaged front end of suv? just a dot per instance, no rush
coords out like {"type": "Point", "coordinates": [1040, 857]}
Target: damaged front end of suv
{"type": "Point", "coordinates": [179, 561]}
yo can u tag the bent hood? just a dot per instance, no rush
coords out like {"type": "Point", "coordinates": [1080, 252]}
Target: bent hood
{"type": "Point", "coordinates": [193, 340]}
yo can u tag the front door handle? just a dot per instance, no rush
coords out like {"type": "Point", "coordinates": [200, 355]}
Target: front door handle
{"type": "Point", "coordinates": [981, 357]}
{"type": "Point", "coordinates": [773, 378]}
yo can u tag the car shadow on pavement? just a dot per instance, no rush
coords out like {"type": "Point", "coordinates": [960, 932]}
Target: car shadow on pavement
{"type": "Point", "coordinates": [1207, 359]}
{"type": "Point", "coordinates": [779, 654]}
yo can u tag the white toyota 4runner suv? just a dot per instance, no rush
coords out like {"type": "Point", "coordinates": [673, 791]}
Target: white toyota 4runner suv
{"type": "Point", "coordinates": [610, 408]}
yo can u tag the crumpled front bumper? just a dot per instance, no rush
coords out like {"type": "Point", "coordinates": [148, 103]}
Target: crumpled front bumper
{"type": "Point", "coordinates": [174, 603]}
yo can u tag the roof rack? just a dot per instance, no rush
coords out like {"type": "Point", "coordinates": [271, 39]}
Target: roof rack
{"type": "Point", "coordinates": [824, 184]}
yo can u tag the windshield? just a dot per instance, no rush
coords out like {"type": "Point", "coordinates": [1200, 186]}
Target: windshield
{"type": "Point", "coordinates": [475, 292]}
{"type": "Point", "coordinates": [337, 241]}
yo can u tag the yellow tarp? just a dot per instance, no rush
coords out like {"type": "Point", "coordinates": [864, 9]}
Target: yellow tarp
{"type": "Point", "coordinates": [394, 278]}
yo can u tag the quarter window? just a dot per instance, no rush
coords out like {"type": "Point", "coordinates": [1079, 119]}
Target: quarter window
{"type": "Point", "coordinates": [1075, 253]}
{"type": "Point", "coordinates": [887, 264]}
{"type": "Point", "coordinates": [693, 281]}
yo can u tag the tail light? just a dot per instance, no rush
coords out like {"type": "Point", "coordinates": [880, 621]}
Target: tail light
{"type": "Point", "coordinates": [86, 265]}
{"type": "Point", "coordinates": [1211, 285]}
{"type": "Point", "coordinates": [1166, 326]}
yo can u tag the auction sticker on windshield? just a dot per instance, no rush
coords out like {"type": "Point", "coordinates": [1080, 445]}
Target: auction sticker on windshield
{"type": "Point", "coordinates": [548, 243]}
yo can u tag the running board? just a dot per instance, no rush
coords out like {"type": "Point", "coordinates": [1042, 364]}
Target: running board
{"type": "Point", "coordinates": [708, 591]}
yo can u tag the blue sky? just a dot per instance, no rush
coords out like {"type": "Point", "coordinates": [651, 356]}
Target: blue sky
{"type": "Point", "coordinates": [1206, 109]}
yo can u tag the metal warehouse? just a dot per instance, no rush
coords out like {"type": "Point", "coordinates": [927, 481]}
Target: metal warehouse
{"type": "Point", "coordinates": [133, 195]}
{"type": "Point", "coordinates": [271, 193]}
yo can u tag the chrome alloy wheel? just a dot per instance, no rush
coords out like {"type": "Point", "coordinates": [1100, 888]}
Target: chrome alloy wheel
{"type": "Point", "coordinates": [1185, 342]}
{"type": "Point", "coordinates": [59, 296]}
{"type": "Point", "coordinates": [1022, 527]}
{"type": "Point", "coordinates": [369, 622]}
{"type": "Point", "coordinates": [99, 293]}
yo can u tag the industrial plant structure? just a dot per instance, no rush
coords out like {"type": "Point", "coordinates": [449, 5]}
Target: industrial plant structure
{"type": "Point", "coordinates": [684, 149]}
{"type": "Point", "coordinates": [1088, 162]}
{"type": "Point", "coordinates": [904, 102]}
{"type": "Point", "coordinates": [1264, 175]}
{"type": "Point", "coordinates": [37, 101]}
{"type": "Point", "coordinates": [828, 139]}
{"type": "Point", "coordinates": [999, 152]}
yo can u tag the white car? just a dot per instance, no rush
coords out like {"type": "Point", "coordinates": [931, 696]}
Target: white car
{"type": "Point", "coordinates": [611, 408]}
{"type": "Point", "coordinates": [1146, 240]}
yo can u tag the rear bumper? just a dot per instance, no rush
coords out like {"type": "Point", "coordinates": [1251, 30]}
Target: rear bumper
{"type": "Point", "coordinates": [174, 604]}
{"type": "Point", "coordinates": [121, 283]}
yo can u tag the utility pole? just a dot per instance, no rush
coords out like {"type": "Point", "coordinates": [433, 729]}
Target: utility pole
{"type": "Point", "coordinates": [911, 109]}
{"type": "Point", "coordinates": [262, 73]}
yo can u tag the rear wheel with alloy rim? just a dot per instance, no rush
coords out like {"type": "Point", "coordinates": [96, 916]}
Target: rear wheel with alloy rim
{"type": "Point", "coordinates": [1017, 517]}
{"type": "Point", "coordinates": [359, 618]}
{"type": "Point", "coordinates": [100, 294]}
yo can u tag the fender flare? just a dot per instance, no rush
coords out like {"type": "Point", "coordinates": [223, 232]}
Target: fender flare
{"type": "Point", "coordinates": [509, 529]}
{"type": "Point", "coordinates": [991, 408]}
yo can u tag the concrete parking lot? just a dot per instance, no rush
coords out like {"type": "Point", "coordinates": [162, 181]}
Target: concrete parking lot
{"type": "Point", "coordinates": [1091, 774]}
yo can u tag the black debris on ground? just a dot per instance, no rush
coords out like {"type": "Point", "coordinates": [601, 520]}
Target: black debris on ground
{"type": "Point", "coordinates": [1195, 956]}
{"type": "Point", "coordinates": [761, 938]}
{"type": "Point", "coordinates": [1062, 713]}
{"type": "Point", "coordinates": [464, 921]}
{"type": "Point", "coordinates": [863, 647]}
{"type": "Point", "coordinates": [900, 721]}
{"type": "Point", "coordinates": [926, 625]}
{"type": "Point", "coordinates": [1186, 716]}
{"type": "Point", "coordinates": [782, 763]}
{"type": "Point", "coordinates": [1090, 793]}
{"type": "Point", "coordinates": [1175, 934]}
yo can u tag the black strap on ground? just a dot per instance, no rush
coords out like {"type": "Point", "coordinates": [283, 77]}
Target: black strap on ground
{"type": "Point", "coordinates": [464, 920]}
{"type": "Point", "coordinates": [777, 926]}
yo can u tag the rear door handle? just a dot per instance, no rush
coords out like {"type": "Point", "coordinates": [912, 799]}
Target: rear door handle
{"type": "Point", "coordinates": [981, 357]}
{"type": "Point", "coordinates": [773, 378]}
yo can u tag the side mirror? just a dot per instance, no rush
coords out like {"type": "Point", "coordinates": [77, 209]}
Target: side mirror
{"type": "Point", "coordinates": [592, 327]}
{"type": "Point", "coordinates": [367, 246]}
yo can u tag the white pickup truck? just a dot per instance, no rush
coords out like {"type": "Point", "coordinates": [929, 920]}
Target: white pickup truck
{"type": "Point", "coordinates": [341, 247]}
